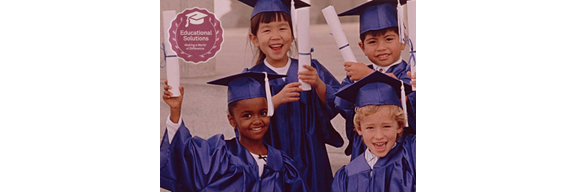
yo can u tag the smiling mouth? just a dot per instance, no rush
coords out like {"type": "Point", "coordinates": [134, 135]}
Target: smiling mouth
{"type": "Point", "coordinates": [276, 47]}
{"type": "Point", "coordinates": [380, 146]}
{"type": "Point", "coordinates": [383, 56]}
{"type": "Point", "coordinates": [256, 129]}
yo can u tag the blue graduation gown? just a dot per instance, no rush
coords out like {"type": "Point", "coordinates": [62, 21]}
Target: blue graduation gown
{"type": "Point", "coordinates": [395, 172]}
{"type": "Point", "coordinates": [194, 164]}
{"type": "Point", "coordinates": [346, 109]}
{"type": "Point", "coordinates": [302, 128]}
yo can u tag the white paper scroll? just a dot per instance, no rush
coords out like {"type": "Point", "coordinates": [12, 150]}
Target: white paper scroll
{"type": "Point", "coordinates": [303, 42]}
{"type": "Point", "coordinates": [172, 65]}
{"type": "Point", "coordinates": [400, 17]}
{"type": "Point", "coordinates": [411, 5]}
{"type": "Point", "coordinates": [338, 33]}
{"type": "Point", "coordinates": [294, 21]}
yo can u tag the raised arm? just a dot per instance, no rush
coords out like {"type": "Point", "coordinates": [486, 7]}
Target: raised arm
{"type": "Point", "coordinates": [187, 163]}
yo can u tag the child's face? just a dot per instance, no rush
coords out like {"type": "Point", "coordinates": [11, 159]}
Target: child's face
{"type": "Point", "coordinates": [274, 40]}
{"type": "Point", "coordinates": [379, 131]}
{"type": "Point", "coordinates": [249, 117]}
{"type": "Point", "coordinates": [382, 49]}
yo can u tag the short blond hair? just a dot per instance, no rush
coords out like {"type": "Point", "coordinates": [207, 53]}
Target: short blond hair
{"type": "Point", "coordinates": [396, 113]}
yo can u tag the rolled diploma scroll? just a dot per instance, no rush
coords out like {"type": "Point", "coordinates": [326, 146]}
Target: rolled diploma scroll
{"type": "Point", "coordinates": [411, 5]}
{"type": "Point", "coordinates": [412, 21]}
{"type": "Point", "coordinates": [172, 67]}
{"type": "Point", "coordinates": [400, 15]}
{"type": "Point", "coordinates": [338, 33]}
{"type": "Point", "coordinates": [293, 13]}
{"type": "Point", "coordinates": [303, 17]}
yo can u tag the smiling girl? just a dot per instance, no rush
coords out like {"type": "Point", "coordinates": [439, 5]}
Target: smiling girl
{"type": "Point", "coordinates": [301, 124]}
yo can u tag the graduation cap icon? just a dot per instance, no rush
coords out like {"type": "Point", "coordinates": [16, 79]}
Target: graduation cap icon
{"type": "Point", "coordinates": [247, 85]}
{"type": "Point", "coordinates": [196, 18]}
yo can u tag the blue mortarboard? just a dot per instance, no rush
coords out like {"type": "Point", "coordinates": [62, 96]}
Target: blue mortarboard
{"type": "Point", "coordinates": [273, 5]}
{"type": "Point", "coordinates": [376, 89]}
{"type": "Point", "coordinates": [247, 85]}
{"type": "Point", "coordinates": [375, 14]}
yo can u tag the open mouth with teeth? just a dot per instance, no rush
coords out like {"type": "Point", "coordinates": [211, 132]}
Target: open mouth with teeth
{"type": "Point", "coordinates": [256, 129]}
{"type": "Point", "coordinates": [380, 146]}
{"type": "Point", "coordinates": [276, 48]}
{"type": "Point", "coordinates": [383, 56]}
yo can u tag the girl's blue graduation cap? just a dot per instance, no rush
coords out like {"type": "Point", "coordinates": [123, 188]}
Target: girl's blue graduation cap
{"type": "Point", "coordinates": [248, 85]}
{"type": "Point", "coordinates": [273, 5]}
{"type": "Point", "coordinates": [376, 14]}
{"type": "Point", "coordinates": [377, 89]}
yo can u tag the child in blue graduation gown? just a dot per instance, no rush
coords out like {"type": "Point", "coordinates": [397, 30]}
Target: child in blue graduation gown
{"type": "Point", "coordinates": [389, 164]}
{"type": "Point", "coordinates": [379, 40]}
{"type": "Point", "coordinates": [301, 124]}
{"type": "Point", "coordinates": [242, 164]}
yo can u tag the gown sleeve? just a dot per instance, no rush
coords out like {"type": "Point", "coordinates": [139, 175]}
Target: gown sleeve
{"type": "Point", "coordinates": [412, 99]}
{"type": "Point", "coordinates": [340, 182]}
{"type": "Point", "coordinates": [410, 143]}
{"type": "Point", "coordinates": [412, 111]}
{"type": "Point", "coordinates": [400, 71]}
{"type": "Point", "coordinates": [190, 163]}
{"type": "Point", "coordinates": [332, 86]}
{"type": "Point", "coordinates": [329, 111]}
{"type": "Point", "coordinates": [292, 178]}
{"type": "Point", "coordinates": [346, 109]}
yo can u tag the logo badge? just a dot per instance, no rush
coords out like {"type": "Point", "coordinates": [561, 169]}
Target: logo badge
{"type": "Point", "coordinates": [196, 35]}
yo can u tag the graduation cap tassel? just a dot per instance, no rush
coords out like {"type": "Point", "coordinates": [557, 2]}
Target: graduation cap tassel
{"type": "Point", "coordinates": [412, 60]}
{"type": "Point", "coordinates": [165, 56]}
{"type": "Point", "coordinates": [268, 95]}
{"type": "Point", "coordinates": [403, 98]}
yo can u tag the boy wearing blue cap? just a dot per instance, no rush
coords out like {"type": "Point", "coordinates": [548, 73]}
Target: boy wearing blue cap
{"type": "Point", "coordinates": [244, 163]}
{"type": "Point", "coordinates": [380, 42]}
{"type": "Point", "coordinates": [389, 164]}
{"type": "Point", "coordinates": [301, 124]}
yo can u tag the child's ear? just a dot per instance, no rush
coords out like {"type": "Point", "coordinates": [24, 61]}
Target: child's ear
{"type": "Point", "coordinates": [400, 131]}
{"type": "Point", "coordinates": [231, 121]}
{"type": "Point", "coordinates": [361, 45]}
{"type": "Point", "coordinates": [358, 130]}
{"type": "Point", "coordinates": [254, 39]}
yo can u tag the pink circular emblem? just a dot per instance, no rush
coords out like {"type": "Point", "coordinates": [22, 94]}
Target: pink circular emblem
{"type": "Point", "coordinates": [196, 35]}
